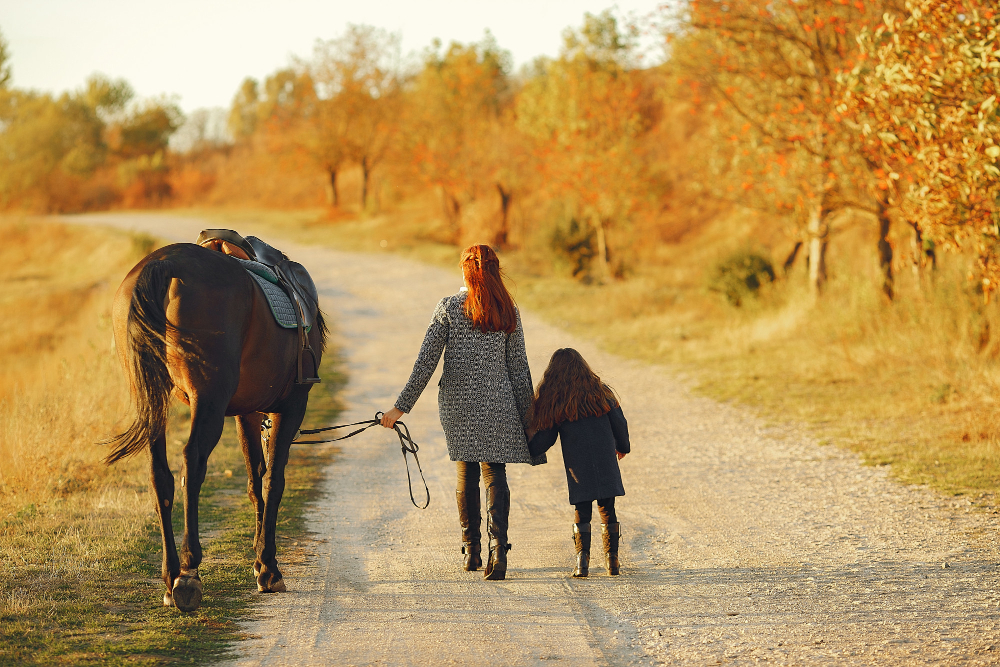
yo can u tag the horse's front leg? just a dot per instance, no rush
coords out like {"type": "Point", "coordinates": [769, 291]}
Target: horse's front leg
{"type": "Point", "coordinates": [207, 418]}
{"type": "Point", "coordinates": [162, 482]}
{"type": "Point", "coordinates": [285, 424]}
{"type": "Point", "coordinates": [252, 443]}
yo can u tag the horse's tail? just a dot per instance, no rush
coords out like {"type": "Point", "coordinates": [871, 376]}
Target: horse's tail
{"type": "Point", "coordinates": [147, 355]}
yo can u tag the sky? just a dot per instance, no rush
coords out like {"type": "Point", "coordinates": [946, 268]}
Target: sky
{"type": "Point", "coordinates": [200, 50]}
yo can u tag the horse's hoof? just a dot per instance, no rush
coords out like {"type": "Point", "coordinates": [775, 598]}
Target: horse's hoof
{"type": "Point", "coordinates": [276, 587]}
{"type": "Point", "coordinates": [187, 593]}
{"type": "Point", "coordinates": [168, 600]}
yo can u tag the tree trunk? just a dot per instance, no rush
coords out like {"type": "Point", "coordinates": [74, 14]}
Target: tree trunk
{"type": "Point", "coordinates": [885, 250]}
{"type": "Point", "coordinates": [917, 257]}
{"type": "Point", "coordinates": [332, 195]}
{"type": "Point", "coordinates": [453, 213]}
{"type": "Point", "coordinates": [790, 260]}
{"type": "Point", "coordinates": [817, 250]}
{"type": "Point", "coordinates": [365, 174]}
{"type": "Point", "coordinates": [925, 248]}
{"type": "Point", "coordinates": [603, 271]}
{"type": "Point", "coordinates": [501, 239]}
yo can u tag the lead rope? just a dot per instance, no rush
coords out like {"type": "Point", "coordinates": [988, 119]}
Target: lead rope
{"type": "Point", "coordinates": [406, 444]}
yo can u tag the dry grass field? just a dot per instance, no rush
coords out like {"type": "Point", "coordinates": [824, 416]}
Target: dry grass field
{"type": "Point", "coordinates": [60, 382]}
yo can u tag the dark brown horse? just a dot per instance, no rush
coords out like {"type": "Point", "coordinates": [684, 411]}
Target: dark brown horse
{"type": "Point", "coordinates": [192, 322]}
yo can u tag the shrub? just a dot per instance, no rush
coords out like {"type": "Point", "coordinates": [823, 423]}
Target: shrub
{"type": "Point", "coordinates": [577, 244]}
{"type": "Point", "coordinates": [741, 275]}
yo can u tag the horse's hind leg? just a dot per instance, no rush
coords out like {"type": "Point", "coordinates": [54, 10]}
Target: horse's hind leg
{"type": "Point", "coordinates": [207, 418]}
{"type": "Point", "coordinates": [163, 489]}
{"type": "Point", "coordinates": [248, 430]}
{"type": "Point", "coordinates": [285, 424]}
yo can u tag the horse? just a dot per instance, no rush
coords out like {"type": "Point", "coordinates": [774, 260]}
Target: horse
{"type": "Point", "coordinates": [191, 322]}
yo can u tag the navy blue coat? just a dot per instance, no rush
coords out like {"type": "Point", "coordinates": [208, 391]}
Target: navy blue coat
{"type": "Point", "coordinates": [588, 448]}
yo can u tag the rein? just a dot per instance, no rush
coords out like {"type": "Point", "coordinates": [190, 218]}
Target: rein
{"type": "Point", "coordinates": [406, 444]}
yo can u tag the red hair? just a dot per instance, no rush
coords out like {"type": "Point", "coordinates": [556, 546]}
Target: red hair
{"type": "Point", "coordinates": [569, 391]}
{"type": "Point", "coordinates": [489, 305]}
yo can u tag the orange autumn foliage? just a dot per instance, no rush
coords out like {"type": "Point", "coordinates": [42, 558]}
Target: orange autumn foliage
{"type": "Point", "coordinates": [924, 100]}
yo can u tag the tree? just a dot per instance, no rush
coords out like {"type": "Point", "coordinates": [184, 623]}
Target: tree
{"type": "Point", "coordinates": [107, 98]}
{"type": "Point", "coordinates": [358, 94]}
{"type": "Point", "coordinates": [924, 100]}
{"type": "Point", "coordinates": [507, 160]}
{"type": "Point", "coordinates": [47, 139]}
{"type": "Point", "coordinates": [323, 133]}
{"type": "Point", "coordinates": [583, 111]}
{"type": "Point", "coordinates": [32, 146]}
{"type": "Point", "coordinates": [146, 128]}
{"type": "Point", "coordinates": [773, 65]}
{"type": "Point", "coordinates": [5, 71]}
{"type": "Point", "coordinates": [243, 113]}
{"type": "Point", "coordinates": [283, 110]}
{"type": "Point", "coordinates": [456, 125]}
{"type": "Point", "coordinates": [285, 95]}
{"type": "Point", "coordinates": [290, 116]}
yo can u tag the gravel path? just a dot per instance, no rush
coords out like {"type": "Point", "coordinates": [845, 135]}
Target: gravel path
{"type": "Point", "coordinates": [742, 543]}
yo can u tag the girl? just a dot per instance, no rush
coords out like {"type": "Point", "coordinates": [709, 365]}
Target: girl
{"type": "Point", "coordinates": [484, 397]}
{"type": "Point", "coordinates": [574, 404]}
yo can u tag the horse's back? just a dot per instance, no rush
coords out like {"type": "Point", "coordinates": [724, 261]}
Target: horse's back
{"type": "Point", "coordinates": [222, 338]}
{"type": "Point", "coordinates": [206, 292]}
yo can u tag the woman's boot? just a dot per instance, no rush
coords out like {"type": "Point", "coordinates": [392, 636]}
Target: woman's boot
{"type": "Point", "coordinates": [496, 566]}
{"type": "Point", "coordinates": [469, 518]}
{"type": "Point", "coordinates": [581, 538]}
{"type": "Point", "coordinates": [497, 512]}
{"type": "Point", "coordinates": [611, 532]}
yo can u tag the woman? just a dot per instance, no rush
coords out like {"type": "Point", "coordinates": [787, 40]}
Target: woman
{"type": "Point", "coordinates": [484, 397]}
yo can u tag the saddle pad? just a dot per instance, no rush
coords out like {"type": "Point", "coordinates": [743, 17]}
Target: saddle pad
{"type": "Point", "coordinates": [258, 269]}
{"type": "Point", "coordinates": [281, 305]}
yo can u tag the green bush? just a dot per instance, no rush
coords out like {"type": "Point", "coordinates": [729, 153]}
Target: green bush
{"type": "Point", "coordinates": [576, 243]}
{"type": "Point", "coordinates": [741, 275]}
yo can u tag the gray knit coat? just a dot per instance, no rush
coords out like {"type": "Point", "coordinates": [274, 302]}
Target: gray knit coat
{"type": "Point", "coordinates": [485, 389]}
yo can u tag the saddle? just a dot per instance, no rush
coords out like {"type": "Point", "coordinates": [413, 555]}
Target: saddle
{"type": "Point", "coordinates": [293, 279]}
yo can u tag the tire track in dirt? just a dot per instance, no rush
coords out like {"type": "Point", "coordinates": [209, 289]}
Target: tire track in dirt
{"type": "Point", "coordinates": [742, 543]}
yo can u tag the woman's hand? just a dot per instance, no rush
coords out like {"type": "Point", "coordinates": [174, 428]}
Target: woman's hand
{"type": "Point", "coordinates": [390, 416]}
{"type": "Point", "coordinates": [621, 455]}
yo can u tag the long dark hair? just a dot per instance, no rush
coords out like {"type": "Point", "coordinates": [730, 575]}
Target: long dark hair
{"type": "Point", "coordinates": [489, 304]}
{"type": "Point", "coordinates": [569, 391]}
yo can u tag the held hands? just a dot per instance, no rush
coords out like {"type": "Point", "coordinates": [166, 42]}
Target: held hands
{"type": "Point", "coordinates": [621, 455]}
{"type": "Point", "coordinates": [390, 416]}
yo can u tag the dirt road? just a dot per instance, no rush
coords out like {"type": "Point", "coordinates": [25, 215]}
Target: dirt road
{"type": "Point", "coordinates": [741, 544]}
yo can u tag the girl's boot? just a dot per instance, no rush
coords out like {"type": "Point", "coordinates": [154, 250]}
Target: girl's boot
{"type": "Point", "coordinates": [581, 539]}
{"type": "Point", "coordinates": [611, 532]}
{"type": "Point", "coordinates": [469, 518]}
